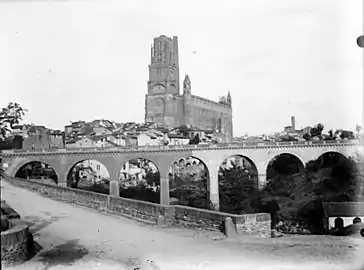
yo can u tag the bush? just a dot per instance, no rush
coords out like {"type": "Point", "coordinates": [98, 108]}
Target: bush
{"type": "Point", "coordinates": [4, 223]}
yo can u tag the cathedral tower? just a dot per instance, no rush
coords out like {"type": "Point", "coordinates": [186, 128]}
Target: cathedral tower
{"type": "Point", "coordinates": [164, 67]}
{"type": "Point", "coordinates": [161, 104]}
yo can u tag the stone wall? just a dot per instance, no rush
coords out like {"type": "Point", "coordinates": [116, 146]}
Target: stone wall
{"type": "Point", "coordinates": [168, 216]}
{"type": "Point", "coordinates": [16, 241]}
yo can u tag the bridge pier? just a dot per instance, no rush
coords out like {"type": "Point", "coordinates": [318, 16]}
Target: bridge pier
{"type": "Point", "coordinates": [164, 191]}
{"type": "Point", "coordinates": [262, 181]}
{"type": "Point", "coordinates": [114, 188]}
{"type": "Point", "coordinates": [62, 184]}
{"type": "Point", "coordinates": [213, 189]}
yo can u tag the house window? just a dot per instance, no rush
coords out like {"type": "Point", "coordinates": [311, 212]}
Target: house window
{"type": "Point", "coordinates": [98, 167]}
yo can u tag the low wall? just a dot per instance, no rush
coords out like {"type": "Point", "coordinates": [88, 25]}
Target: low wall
{"type": "Point", "coordinates": [152, 213]}
{"type": "Point", "coordinates": [10, 212]}
{"type": "Point", "coordinates": [15, 242]}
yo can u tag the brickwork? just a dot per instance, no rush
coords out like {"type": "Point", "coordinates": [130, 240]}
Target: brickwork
{"type": "Point", "coordinates": [14, 244]}
{"type": "Point", "coordinates": [165, 105]}
{"type": "Point", "coordinates": [164, 215]}
{"type": "Point", "coordinates": [16, 241]}
{"type": "Point", "coordinates": [62, 160]}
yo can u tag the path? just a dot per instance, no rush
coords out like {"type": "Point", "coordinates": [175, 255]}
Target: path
{"type": "Point", "coordinates": [73, 237]}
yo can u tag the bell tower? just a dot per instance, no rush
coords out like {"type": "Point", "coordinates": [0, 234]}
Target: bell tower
{"type": "Point", "coordinates": [162, 102]}
{"type": "Point", "coordinates": [164, 66]}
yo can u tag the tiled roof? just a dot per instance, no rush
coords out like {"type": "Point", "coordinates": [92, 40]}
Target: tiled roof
{"type": "Point", "coordinates": [177, 136]}
{"type": "Point", "coordinates": [343, 209]}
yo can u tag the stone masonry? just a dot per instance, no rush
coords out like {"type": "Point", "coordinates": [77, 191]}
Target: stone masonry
{"type": "Point", "coordinates": [63, 160]}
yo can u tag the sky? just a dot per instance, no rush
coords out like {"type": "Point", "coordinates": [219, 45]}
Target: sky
{"type": "Point", "coordinates": [83, 60]}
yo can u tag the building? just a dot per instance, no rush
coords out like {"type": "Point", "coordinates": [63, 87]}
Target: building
{"type": "Point", "coordinates": [341, 214]}
{"type": "Point", "coordinates": [165, 106]}
{"type": "Point", "coordinates": [175, 139]}
{"type": "Point", "coordinates": [90, 141]}
{"type": "Point", "coordinates": [292, 127]}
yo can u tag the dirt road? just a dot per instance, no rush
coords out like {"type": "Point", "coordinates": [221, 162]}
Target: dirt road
{"type": "Point", "coordinates": [77, 238]}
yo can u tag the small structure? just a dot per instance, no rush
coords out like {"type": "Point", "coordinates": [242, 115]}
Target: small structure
{"type": "Point", "coordinates": [16, 240]}
{"type": "Point", "coordinates": [341, 214]}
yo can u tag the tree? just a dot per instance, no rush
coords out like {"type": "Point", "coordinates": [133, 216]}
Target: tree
{"type": "Point", "coordinates": [195, 140]}
{"type": "Point", "coordinates": [307, 137]}
{"type": "Point", "coordinates": [10, 116]}
{"type": "Point", "coordinates": [316, 131]}
{"type": "Point", "coordinates": [345, 134]}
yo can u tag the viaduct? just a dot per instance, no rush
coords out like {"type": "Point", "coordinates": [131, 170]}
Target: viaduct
{"type": "Point", "coordinates": [63, 160]}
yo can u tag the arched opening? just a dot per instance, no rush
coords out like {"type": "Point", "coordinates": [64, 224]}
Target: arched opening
{"type": "Point", "coordinates": [338, 223]}
{"type": "Point", "coordinates": [89, 175]}
{"type": "Point", "coordinates": [335, 176]}
{"type": "Point", "coordinates": [238, 179]}
{"type": "Point", "coordinates": [356, 220]}
{"type": "Point", "coordinates": [188, 179]}
{"type": "Point", "coordinates": [284, 165]}
{"type": "Point", "coordinates": [140, 179]}
{"type": "Point", "coordinates": [39, 171]}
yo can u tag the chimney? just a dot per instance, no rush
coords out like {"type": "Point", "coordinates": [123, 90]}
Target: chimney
{"type": "Point", "coordinates": [293, 122]}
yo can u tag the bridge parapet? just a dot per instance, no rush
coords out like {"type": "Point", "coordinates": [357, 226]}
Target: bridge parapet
{"type": "Point", "coordinates": [151, 148]}
{"type": "Point", "coordinates": [258, 224]}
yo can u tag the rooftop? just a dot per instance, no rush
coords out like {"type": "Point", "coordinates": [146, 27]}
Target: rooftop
{"type": "Point", "coordinates": [343, 209]}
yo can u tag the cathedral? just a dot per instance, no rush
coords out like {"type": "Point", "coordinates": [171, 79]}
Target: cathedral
{"type": "Point", "coordinates": [166, 106]}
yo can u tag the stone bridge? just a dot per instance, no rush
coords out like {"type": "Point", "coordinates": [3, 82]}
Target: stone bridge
{"type": "Point", "coordinates": [63, 160]}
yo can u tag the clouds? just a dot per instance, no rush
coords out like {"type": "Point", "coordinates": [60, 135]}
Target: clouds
{"type": "Point", "coordinates": [278, 59]}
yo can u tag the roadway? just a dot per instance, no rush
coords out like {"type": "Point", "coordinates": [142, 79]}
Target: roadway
{"type": "Point", "coordinates": [73, 237]}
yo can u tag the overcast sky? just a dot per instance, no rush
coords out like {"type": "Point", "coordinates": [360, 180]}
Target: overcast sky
{"type": "Point", "coordinates": [81, 60]}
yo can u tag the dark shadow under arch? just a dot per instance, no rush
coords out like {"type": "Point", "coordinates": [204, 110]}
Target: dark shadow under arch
{"type": "Point", "coordinates": [37, 170]}
{"type": "Point", "coordinates": [188, 182]}
{"type": "Point", "coordinates": [139, 178]}
{"type": "Point", "coordinates": [331, 158]}
{"type": "Point", "coordinates": [284, 164]}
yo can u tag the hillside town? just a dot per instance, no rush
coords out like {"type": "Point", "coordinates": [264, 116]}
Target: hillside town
{"type": "Point", "coordinates": [106, 133]}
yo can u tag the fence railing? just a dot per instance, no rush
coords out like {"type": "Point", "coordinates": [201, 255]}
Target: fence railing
{"type": "Point", "coordinates": [179, 147]}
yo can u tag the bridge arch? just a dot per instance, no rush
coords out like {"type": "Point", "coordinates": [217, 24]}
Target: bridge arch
{"type": "Point", "coordinates": [244, 162]}
{"type": "Point", "coordinates": [22, 163]}
{"type": "Point", "coordinates": [340, 152]}
{"type": "Point", "coordinates": [188, 182]}
{"type": "Point", "coordinates": [75, 162]}
{"type": "Point", "coordinates": [135, 157]}
{"type": "Point", "coordinates": [269, 164]}
{"type": "Point", "coordinates": [140, 179]}
{"type": "Point", "coordinates": [285, 152]}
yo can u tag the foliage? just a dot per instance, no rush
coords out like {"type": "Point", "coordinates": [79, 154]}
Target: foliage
{"type": "Point", "coordinates": [287, 138]}
{"type": "Point", "coordinates": [295, 198]}
{"type": "Point", "coordinates": [4, 222]}
{"type": "Point", "coordinates": [316, 131]}
{"type": "Point", "coordinates": [153, 177]}
{"type": "Point", "coordinates": [235, 186]}
{"type": "Point", "coordinates": [307, 137]}
{"type": "Point", "coordinates": [345, 134]}
{"type": "Point", "coordinates": [195, 140]}
{"type": "Point", "coordinates": [10, 116]}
